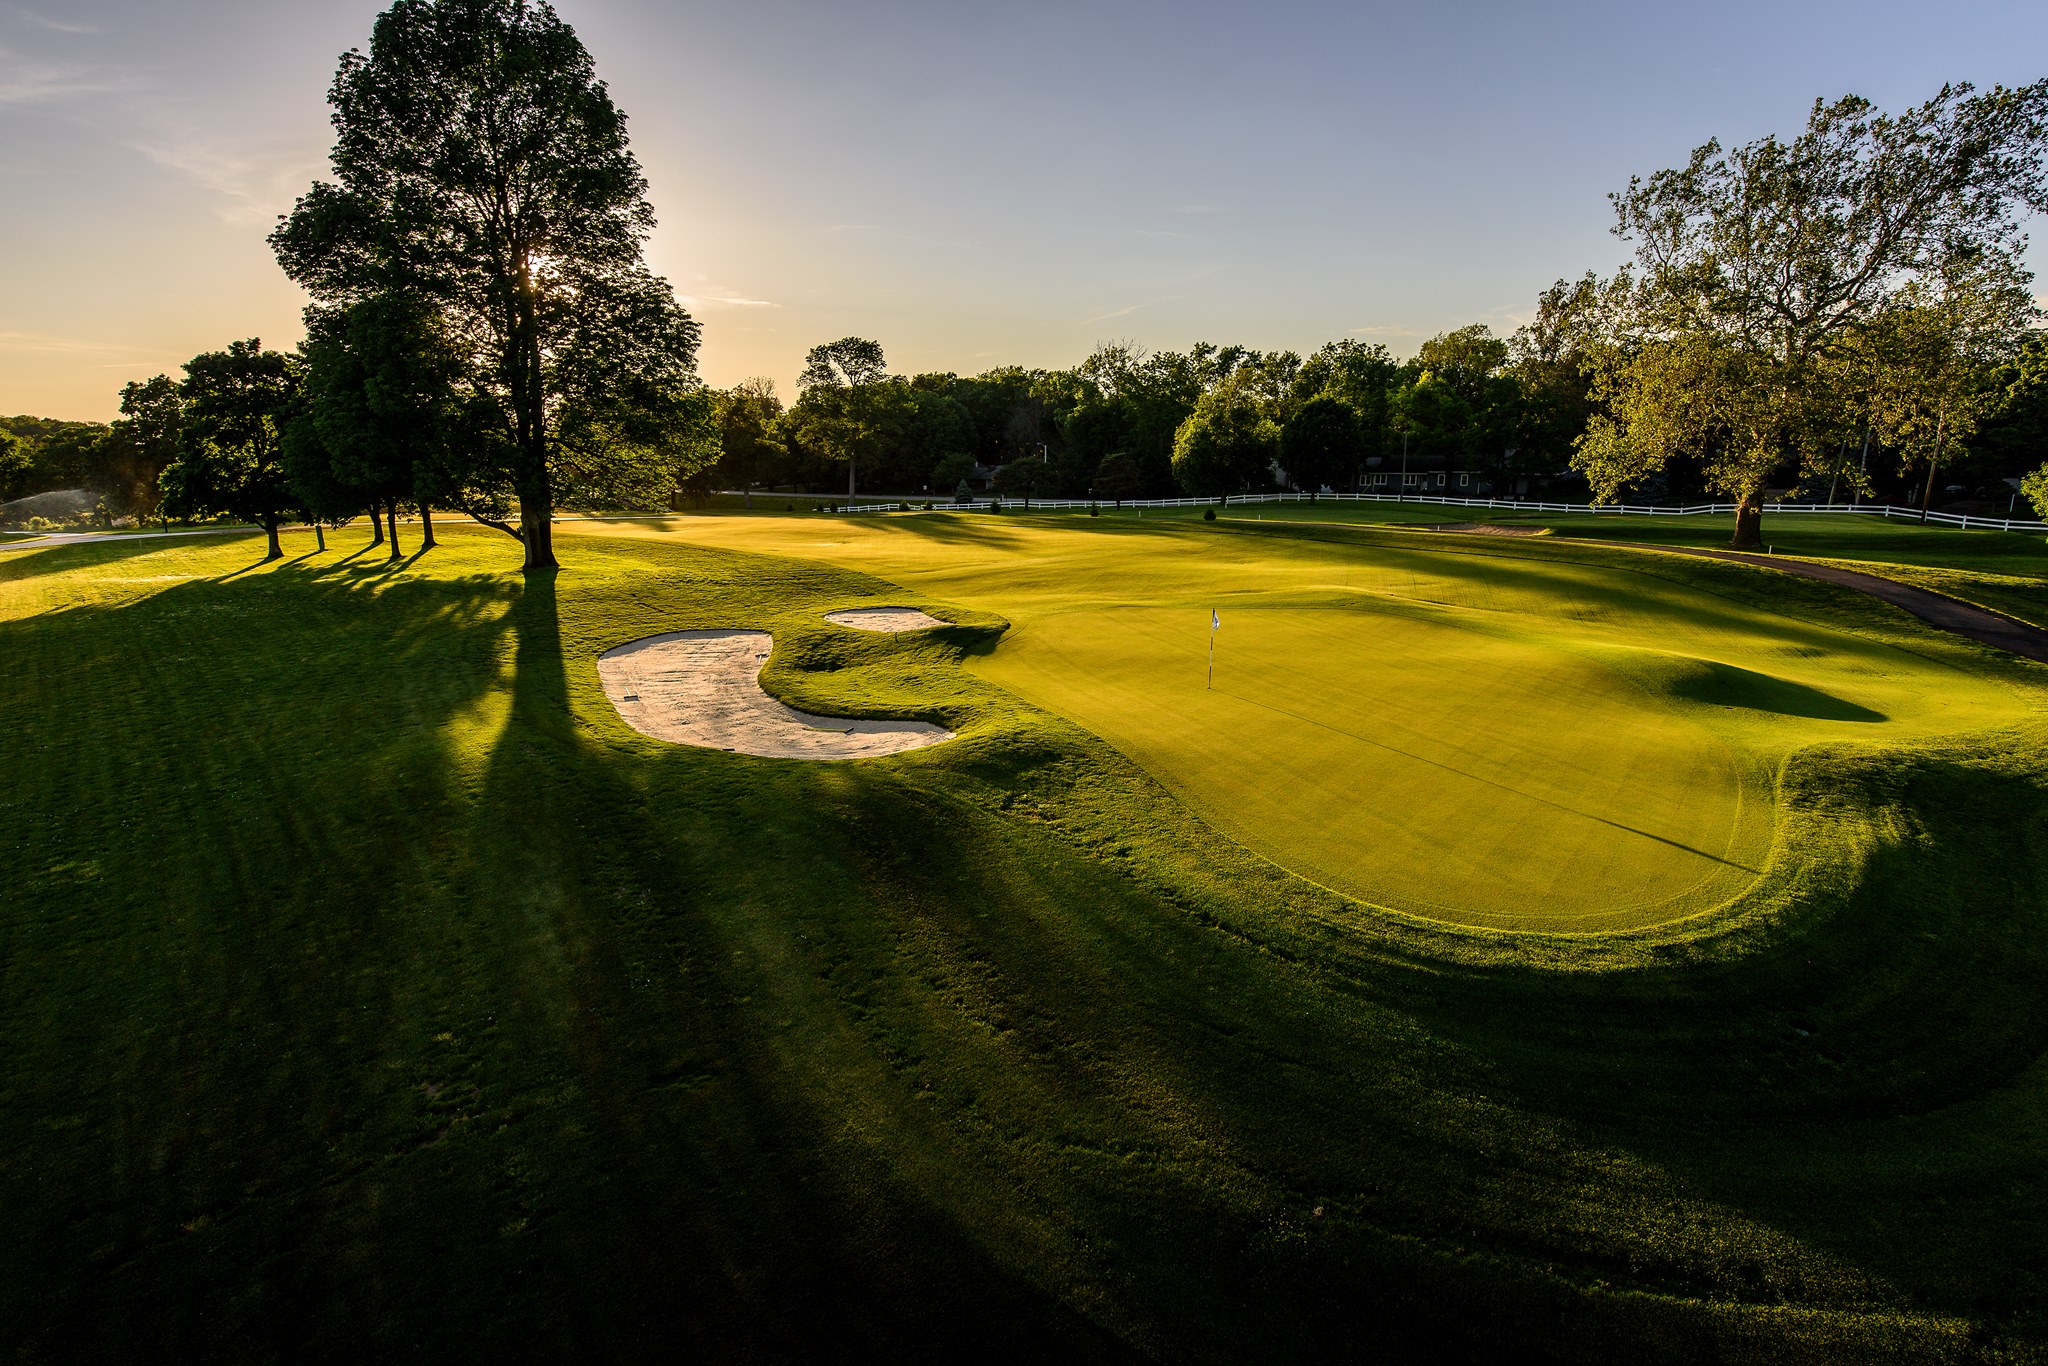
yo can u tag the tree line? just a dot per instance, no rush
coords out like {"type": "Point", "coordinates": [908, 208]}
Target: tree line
{"type": "Point", "coordinates": [1128, 423]}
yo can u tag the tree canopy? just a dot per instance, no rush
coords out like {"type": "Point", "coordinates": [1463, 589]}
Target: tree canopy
{"type": "Point", "coordinates": [1756, 267]}
{"type": "Point", "coordinates": [481, 165]}
{"type": "Point", "coordinates": [230, 462]}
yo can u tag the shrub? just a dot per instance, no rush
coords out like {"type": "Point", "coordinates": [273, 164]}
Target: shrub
{"type": "Point", "coordinates": [1094, 511]}
{"type": "Point", "coordinates": [1208, 514]}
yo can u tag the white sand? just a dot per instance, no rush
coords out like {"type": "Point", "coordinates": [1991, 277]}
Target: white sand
{"type": "Point", "coordinates": [703, 688]}
{"type": "Point", "coordinates": [885, 619]}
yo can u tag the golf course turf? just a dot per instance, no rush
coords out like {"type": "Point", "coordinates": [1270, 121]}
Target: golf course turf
{"type": "Point", "coordinates": [373, 990]}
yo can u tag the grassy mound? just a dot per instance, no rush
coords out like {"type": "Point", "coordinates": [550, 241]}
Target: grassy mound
{"type": "Point", "coordinates": [372, 990]}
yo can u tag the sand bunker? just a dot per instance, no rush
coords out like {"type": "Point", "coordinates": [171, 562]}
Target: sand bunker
{"type": "Point", "coordinates": [885, 619]}
{"type": "Point", "coordinates": [703, 688]}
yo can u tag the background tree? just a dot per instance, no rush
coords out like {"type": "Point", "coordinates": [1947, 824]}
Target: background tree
{"type": "Point", "coordinates": [748, 449]}
{"type": "Point", "coordinates": [1551, 359]}
{"type": "Point", "coordinates": [1322, 443]}
{"type": "Point", "coordinates": [1363, 377]}
{"type": "Point", "coordinates": [236, 404]}
{"type": "Point", "coordinates": [130, 460]}
{"type": "Point", "coordinates": [841, 401]}
{"type": "Point", "coordinates": [480, 164]}
{"type": "Point", "coordinates": [1932, 360]}
{"type": "Point", "coordinates": [17, 458]}
{"type": "Point", "coordinates": [1227, 445]}
{"type": "Point", "coordinates": [1755, 265]}
{"type": "Point", "coordinates": [1021, 479]}
{"type": "Point", "coordinates": [1116, 479]}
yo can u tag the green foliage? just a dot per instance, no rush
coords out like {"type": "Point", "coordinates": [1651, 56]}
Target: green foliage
{"type": "Point", "coordinates": [236, 404]}
{"type": "Point", "coordinates": [1117, 478]}
{"type": "Point", "coordinates": [1759, 265]}
{"type": "Point", "coordinates": [749, 449]}
{"type": "Point", "coordinates": [1227, 445]}
{"type": "Point", "coordinates": [479, 163]}
{"type": "Point", "coordinates": [16, 460]}
{"type": "Point", "coordinates": [2034, 488]}
{"type": "Point", "coordinates": [1322, 443]}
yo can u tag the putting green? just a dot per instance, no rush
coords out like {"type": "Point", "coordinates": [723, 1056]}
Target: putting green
{"type": "Point", "coordinates": [1468, 733]}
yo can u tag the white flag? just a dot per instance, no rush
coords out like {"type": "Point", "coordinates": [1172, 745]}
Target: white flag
{"type": "Point", "coordinates": [1215, 622]}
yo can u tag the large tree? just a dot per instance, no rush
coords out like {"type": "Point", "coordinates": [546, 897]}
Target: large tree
{"type": "Point", "coordinates": [1756, 264]}
{"type": "Point", "coordinates": [480, 164]}
{"type": "Point", "coordinates": [230, 462]}
{"type": "Point", "coordinates": [842, 401]}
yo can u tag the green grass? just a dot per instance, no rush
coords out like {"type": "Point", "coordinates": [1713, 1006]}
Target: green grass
{"type": "Point", "coordinates": [371, 990]}
{"type": "Point", "coordinates": [1494, 733]}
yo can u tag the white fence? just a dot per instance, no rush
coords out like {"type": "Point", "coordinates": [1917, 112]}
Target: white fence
{"type": "Point", "coordinates": [1886, 510]}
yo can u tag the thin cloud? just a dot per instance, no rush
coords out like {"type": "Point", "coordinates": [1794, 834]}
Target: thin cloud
{"type": "Point", "coordinates": [31, 80]}
{"type": "Point", "coordinates": [1383, 330]}
{"type": "Point", "coordinates": [43, 343]}
{"type": "Point", "coordinates": [898, 235]}
{"type": "Point", "coordinates": [38, 19]}
{"type": "Point", "coordinates": [712, 301]}
{"type": "Point", "coordinates": [1128, 309]}
{"type": "Point", "coordinates": [254, 184]}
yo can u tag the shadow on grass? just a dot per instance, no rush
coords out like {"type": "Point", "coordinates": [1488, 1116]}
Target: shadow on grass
{"type": "Point", "coordinates": [58, 559]}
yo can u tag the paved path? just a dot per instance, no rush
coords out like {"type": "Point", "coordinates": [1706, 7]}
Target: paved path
{"type": "Point", "coordinates": [1936, 609]}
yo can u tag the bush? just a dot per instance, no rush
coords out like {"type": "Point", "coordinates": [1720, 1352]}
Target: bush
{"type": "Point", "coordinates": [1094, 511]}
{"type": "Point", "coordinates": [789, 507]}
{"type": "Point", "coordinates": [903, 507]}
{"type": "Point", "coordinates": [1208, 514]}
{"type": "Point", "coordinates": [995, 505]}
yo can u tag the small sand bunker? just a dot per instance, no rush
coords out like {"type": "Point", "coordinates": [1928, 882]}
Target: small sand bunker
{"type": "Point", "coordinates": [885, 619]}
{"type": "Point", "coordinates": [703, 688]}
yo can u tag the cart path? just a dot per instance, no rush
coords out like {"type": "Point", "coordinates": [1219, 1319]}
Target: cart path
{"type": "Point", "coordinates": [1936, 609]}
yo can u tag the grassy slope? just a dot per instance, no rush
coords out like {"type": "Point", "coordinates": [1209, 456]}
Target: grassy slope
{"type": "Point", "coordinates": [370, 989]}
{"type": "Point", "coordinates": [1496, 733]}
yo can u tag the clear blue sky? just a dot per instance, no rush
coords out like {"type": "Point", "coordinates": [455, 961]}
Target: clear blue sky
{"type": "Point", "coordinates": [971, 185]}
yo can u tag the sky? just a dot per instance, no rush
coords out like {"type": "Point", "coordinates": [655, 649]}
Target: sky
{"type": "Point", "coordinates": [972, 185]}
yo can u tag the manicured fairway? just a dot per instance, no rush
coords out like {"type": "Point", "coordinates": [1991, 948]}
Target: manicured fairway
{"type": "Point", "coordinates": [372, 991]}
{"type": "Point", "coordinates": [1533, 738]}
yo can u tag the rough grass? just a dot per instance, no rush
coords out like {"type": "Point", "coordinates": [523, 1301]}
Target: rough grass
{"type": "Point", "coordinates": [371, 990]}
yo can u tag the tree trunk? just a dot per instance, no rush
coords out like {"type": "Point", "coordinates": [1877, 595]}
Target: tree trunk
{"type": "Point", "coordinates": [391, 511]}
{"type": "Point", "coordinates": [427, 541]}
{"type": "Point", "coordinates": [376, 526]}
{"type": "Point", "coordinates": [1933, 463]}
{"type": "Point", "coordinates": [1749, 522]}
{"type": "Point", "coordinates": [849, 478]}
{"type": "Point", "coordinates": [270, 530]}
{"type": "Point", "coordinates": [747, 493]}
{"type": "Point", "coordinates": [320, 537]}
{"type": "Point", "coordinates": [535, 527]}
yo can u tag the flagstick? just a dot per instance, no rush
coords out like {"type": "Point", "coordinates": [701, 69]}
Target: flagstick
{"type": "Point", "coordinates": [1212, 652]}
